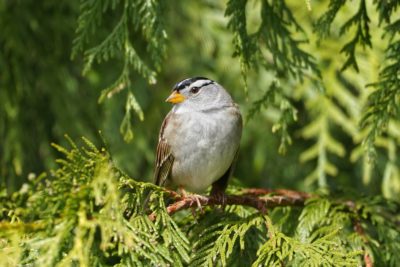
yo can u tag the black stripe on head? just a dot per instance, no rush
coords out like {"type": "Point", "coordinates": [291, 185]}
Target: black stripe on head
{"type": "Point", "coordinates": [210, 82]}
{"type": "Point", "coordinates": [182, 84]}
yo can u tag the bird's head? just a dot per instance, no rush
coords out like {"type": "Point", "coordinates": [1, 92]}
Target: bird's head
{"type": "Point", "coordinates": [199, 93]}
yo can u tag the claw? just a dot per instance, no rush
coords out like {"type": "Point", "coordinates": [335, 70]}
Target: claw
{"type": "Point", "coordinates": [194, 198]}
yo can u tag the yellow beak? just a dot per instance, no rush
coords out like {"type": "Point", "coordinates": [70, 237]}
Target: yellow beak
{"type": "Point", "coordinates": [175, 98]}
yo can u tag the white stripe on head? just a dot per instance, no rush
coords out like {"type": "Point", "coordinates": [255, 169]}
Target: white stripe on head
{"type": "Point", "coordinates": [200, 83]}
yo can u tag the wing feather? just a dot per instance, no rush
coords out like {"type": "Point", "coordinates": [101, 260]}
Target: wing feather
{"type": "Point", "coordinates": [164, 157]}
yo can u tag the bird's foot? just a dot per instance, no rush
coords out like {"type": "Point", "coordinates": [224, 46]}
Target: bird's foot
{"type": "Point", "coordinates": [193, 198]}
{"type": "Point", "coordinates": [198, 199]}
{"type": "Point", "coordinates": [182, 192]}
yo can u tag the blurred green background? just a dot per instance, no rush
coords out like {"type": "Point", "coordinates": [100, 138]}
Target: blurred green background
{"type": "Point", "coordinates": [44, 94]}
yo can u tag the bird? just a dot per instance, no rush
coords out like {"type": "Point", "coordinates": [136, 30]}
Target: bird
{"type": "Point", "coordinates": [199, 138]}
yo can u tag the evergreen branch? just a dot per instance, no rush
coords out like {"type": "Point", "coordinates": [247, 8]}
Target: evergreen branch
{"type": "Point", "coordinates": [320, 129]}
{"type": "Point", "coordinates": [362, 35]}
{"type": "Point", "coordinates": [383, 103]}
{"type": "Point", "coordinates": [150, 15]}
{"type": "Point", "coordinates": [245, 46]}
{"type": "Point", "coordinates": [90, 17]}
{"type": "Point", "coordinates": [275, 97]}
{"type": "Point", "coordinates": [361, 22]}
{"type": "Point", "coordinates": [281, 249]}
{"type": "Point", "coordinates": [109, 47]}
{"type": "Point", "coordinates": [323, 25]}
{"type": "Point", "coordinates": [142, 19]}
{"type": "Point", "coordinates": [274, 31]}
{"type": "Point", "coordinates": [144, 16]}
{"type": "Point", "coordinates": [386, 9]}
{"type": "Point", "coordinates": [267, 98]}
{"type": "Point", "coordinates": [221, 242]}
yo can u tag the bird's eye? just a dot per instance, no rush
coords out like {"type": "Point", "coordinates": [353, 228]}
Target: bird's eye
{"type": "Point", "coordinates": [194, 90]}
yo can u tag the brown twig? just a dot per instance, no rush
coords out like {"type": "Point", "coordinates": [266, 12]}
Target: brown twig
{"type": "Point", "coordinates": [360, 231]}
{"type": "Point", "coordinates": [251, 197]}
{"type": "Point", "coordinates": [282, 192]}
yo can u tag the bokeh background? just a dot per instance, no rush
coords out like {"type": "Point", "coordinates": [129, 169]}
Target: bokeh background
{"type": "Point", "coordinates": [45, 93]}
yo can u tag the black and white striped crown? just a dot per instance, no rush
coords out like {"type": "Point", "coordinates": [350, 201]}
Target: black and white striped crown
{"type": "Point", "coordinates": [187, 82]}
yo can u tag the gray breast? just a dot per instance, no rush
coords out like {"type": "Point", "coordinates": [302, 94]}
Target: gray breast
{"type": "Point", "coordinates": [204, 145]}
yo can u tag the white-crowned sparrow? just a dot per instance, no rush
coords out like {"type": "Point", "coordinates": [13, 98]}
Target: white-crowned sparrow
{"type": "Point", "coordinates": [199, 138]}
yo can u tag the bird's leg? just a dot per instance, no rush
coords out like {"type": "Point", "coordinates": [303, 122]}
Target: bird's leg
{"type": "Point", "coordinates": [218, 196]}
{"type": "Point", "coordinates": [182, 191]}
{"type": "Point", "coordinates": [218, 190]}
{"type": "Point", "coordinates": [218, 187]}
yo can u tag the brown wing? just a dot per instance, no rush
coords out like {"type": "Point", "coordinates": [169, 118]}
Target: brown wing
{"type": "Point", "coordinates": [164, 157]}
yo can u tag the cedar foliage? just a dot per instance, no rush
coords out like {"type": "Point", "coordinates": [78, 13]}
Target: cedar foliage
{"type": "Point", "coordinates": [78, 215]}
{"type": "Point", "coordinates": [321, 83]}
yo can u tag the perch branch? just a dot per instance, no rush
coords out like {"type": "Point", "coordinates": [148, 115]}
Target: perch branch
{"type": "Point", "coordinates": [255, 198]}
{"type": "Point", "coordinates": [282, 192]}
